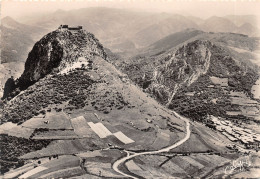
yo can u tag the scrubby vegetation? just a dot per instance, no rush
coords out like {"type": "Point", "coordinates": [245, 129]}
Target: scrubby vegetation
{"type": "Point", "coordinates": [200, 104]}
{"type": "Point", "coordinates": [75, 88]}
{"type": "Point", "coordinates": [207, 99]}
{"type": "Point", "coordinates": [105, 101]}
{"type": "Point", "coordinates": [241, 76]}
{"type": "Point", "coordinates": [13, 147]}
{"type": "Point", "coordinates": [141, 68]}
{"type": "Point", "coordinates": [54, 90]}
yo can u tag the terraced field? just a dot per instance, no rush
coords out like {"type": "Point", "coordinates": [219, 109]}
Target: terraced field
{"type": "Point", "coordinates": [123, 138]}
{"type": "Point", "coordinates": [16, 130]}
{"type": "Point", "coordinates": [96, 163]}
{"type": "Point", "coordinates": [100, 129]}
{"type": "Point", "coordinates": [80, 126]}
{"type": "Point", "coordinates": [52, 120]}
{"type": "Point", "coordinates": [178, 166]}
{"type": "Point", "coordinates": [55, 134]}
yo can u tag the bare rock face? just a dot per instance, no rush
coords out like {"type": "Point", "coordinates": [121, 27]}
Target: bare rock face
{"type": "Point", "coordinates": [58, 50]}
{"type": "Point", "coordinates": [184, 68]}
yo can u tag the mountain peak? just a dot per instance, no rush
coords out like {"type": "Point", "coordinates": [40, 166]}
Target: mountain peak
{"type": "Point", "coordinates": [8, 18]}
{"type": "Point", "coordinates": [60, 50]}
{"type": "Point", "coordinates": [9, 21]}
{"type": "Point", "coordinates": [246, 25]}
{"type": "Point", "coordinates": [189, 62]}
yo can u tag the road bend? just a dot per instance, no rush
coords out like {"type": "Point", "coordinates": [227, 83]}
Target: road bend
{"type": "Point", "coordinates": [166, 149]}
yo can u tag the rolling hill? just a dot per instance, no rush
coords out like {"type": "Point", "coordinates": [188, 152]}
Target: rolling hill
{"type": "Point", "coordinates": [218, 24]}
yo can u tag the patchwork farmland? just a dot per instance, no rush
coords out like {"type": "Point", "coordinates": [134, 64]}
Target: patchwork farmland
{"type": "Point", "coordinates": [50, 121]}
{"type": "Point", "coordinates": [77, 135]}
{"type": "Point", "coordinates": [100, 129]}
{"type": "Point", "coordinates": [81, 128]}
{"type": "Point", "coordinates": [85, 141]}
{"type": "Point", "coordinates": [85, 163]}
{"type": "Point", "coordinates": [16, 130]}
{"type": "Point", "coordinates": [179, 166]}
{"type": "Point", "coordinates": [70, 141]}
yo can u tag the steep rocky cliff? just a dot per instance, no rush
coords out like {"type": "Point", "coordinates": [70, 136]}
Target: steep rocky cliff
{"type": "Point", "coordinates": [183, 68]}
{"type": "Point", "coordinates": [60, 49]}
{"type": "Point", "coordinates": [57, 51]}
{"type": "Point", "coordinates": [202, 78]}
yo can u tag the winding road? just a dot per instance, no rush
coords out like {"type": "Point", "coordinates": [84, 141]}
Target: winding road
{"type": "Point", "coordinates": [166, 149]}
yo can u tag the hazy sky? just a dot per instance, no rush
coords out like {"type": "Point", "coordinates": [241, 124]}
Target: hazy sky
{"type": "Point", "coordinates": [200, 8]}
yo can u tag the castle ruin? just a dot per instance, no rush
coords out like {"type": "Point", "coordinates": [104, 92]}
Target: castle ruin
{"type": "Point", "coordinates": [66, 27]}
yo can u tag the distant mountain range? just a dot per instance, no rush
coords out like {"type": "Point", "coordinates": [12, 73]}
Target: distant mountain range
{"type": "Point", "coordinates": [119, 30]}
{"type": "Point", "coordinates": [172, 41]}
{"type": "Point", "coordinates": [17, 39]}
{"type": "Point", "coordinates": [117, 26]}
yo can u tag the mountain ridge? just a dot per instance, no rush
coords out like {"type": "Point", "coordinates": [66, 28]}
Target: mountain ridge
{"type": "Point", "coordinates": [125, 25]}
{"type": "Point", "coordinates": [17, 39]}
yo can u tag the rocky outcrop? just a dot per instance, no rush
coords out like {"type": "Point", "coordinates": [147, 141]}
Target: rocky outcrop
{"type": "Point", "coordinates": [183, 68]}
{"type": "Point", "coordinates": [56, 51]}
{"type": "Point", "coordinates": [199, 80]}
{"type": "Point", "coordinates": [9, 87]}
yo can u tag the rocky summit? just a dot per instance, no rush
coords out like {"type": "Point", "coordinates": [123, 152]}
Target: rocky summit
{"type": "Point", "coordinates": [59, 50]}
{"type": "Point", "coordinates": [55, 52]}
{"type": "Point", "coordinates": [183, 68]}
